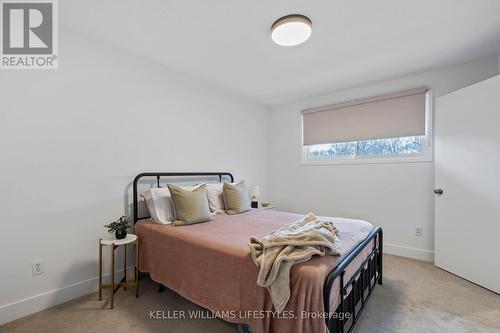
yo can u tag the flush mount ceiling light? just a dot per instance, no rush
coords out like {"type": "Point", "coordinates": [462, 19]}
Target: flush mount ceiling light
{"type": "Point", "coordinates": [291, 30]}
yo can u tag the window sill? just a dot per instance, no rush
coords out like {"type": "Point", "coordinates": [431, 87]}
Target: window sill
{"type": "Point", "coordinates": [369, 160]}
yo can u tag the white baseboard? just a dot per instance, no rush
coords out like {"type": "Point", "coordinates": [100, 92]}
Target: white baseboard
{"type": "Point", "coordinates": [409, 252]}
{"type": "Point", "coordinates": [48, 299]}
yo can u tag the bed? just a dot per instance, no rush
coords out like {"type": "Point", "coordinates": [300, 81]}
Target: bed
{"type": "Point", "coordinates": [210, 264]}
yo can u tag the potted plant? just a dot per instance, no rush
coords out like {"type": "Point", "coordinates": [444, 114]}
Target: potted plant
{"type": "Point", "coordinates": [119, 227]}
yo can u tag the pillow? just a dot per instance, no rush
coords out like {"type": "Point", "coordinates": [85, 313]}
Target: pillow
{"type": "Point", "coordinates": [190, 206]}
{"type": "Point", "coordinates": [236, 198]}
{"type": "Point", "coordinates": [159, 204]}
{"type": "Point", "coordinates": [148, 199]}
{"type": "Point", "coordinates": [215, 198]}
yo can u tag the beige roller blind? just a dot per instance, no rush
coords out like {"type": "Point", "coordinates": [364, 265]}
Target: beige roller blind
{"type": "Point", "coordinates": [388, 116]}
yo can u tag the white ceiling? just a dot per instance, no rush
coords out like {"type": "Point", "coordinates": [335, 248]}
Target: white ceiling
{"type": "Point", "coordinates": [227, 43]}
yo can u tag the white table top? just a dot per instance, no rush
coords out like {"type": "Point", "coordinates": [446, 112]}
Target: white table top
{"type": "Point", "coordinates": [129, 239]}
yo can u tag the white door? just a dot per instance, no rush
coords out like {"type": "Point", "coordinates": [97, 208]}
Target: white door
{"type": "Point", "coordinates": [467, 132]}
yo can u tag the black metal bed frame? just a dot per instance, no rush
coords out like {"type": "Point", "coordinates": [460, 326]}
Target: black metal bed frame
{"type": "Point", "coordinates": [354, 293]}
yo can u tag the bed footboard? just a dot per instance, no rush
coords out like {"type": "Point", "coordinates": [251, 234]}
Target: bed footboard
{"type": "Point", "coordinates": [354, 293]}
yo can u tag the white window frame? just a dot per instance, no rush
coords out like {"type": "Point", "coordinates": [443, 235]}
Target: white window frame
{"type": "Point", "coordinates": [425, 156]}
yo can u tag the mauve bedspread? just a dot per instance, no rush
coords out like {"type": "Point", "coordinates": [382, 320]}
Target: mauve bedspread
{"type": "Point", "coordinates": [210, 264]}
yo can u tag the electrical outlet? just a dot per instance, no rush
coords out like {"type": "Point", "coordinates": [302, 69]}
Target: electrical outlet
{"type": "Point", "coordinates": [37, 267]}
{"type": "Point", "coordinates": [419, 231]}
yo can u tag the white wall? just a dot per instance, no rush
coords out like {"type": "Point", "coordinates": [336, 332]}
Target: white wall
{"type": "Point", "coordinates": [73, 139]}
{"type": "Point", "coordinates": [396, 196]}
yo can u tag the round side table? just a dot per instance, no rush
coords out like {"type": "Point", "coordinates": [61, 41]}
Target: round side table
{"type": "Point", "coordinates": [114, 244]}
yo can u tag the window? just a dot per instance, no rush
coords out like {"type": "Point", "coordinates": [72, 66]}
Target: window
{"type": "Point", "coordinates": [389, 128]}
{"type": "Point", "coordinates": [406, 146]}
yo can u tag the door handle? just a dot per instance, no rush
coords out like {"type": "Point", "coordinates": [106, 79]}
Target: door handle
{"type": "Point", "coordinates": [438, 191]}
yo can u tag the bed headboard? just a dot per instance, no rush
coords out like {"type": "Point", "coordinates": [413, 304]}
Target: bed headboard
{"type": "Point", "coordinates": [159, 175]}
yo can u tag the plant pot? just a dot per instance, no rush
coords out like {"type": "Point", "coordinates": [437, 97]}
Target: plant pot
{"type": "Point", "coordinates": [120, 234]}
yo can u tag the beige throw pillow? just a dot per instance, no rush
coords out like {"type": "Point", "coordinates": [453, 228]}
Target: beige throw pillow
{"type": "Point", "coordinates": [236, 198]}
{"type": "Point", "coordinates": [190, 206]}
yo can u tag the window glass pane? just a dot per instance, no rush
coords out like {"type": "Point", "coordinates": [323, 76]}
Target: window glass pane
{"type": "Point", "coordinates": [334, 150]}
{"type": "Point", "coordinates": [393, 146]}
{"type": "Point", "coordinates": [379, 147]}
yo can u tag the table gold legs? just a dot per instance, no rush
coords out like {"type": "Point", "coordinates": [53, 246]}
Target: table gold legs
{"type": "Point", "coordinates": [112, 276]}
{"type": "Point", "coordinates": [136, 268]}
{"type": "Point", "coordinates": [115, 286]}
{"type": "Point", "coordinates": [125, 264]}
{"type": "Point", "coordinates": [100, 270]}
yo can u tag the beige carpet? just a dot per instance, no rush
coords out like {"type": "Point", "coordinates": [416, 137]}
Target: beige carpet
{"type": "Point", "coordinates": [415, 297]}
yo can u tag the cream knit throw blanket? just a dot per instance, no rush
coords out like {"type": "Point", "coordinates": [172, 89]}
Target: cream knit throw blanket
{"type": "Point", "coordinates": [277, 252]}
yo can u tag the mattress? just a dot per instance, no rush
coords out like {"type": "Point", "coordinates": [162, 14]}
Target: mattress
{"type": "Point", "coordinates": [210, 264]}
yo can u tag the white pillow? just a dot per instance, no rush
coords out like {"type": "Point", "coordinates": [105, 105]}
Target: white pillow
{"type": "Point", "coordinates": [215, 199]}
{"type": "Point", "coordinates": [148, 199]}
{"type": "Point", "coordinates": [159, 203]}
